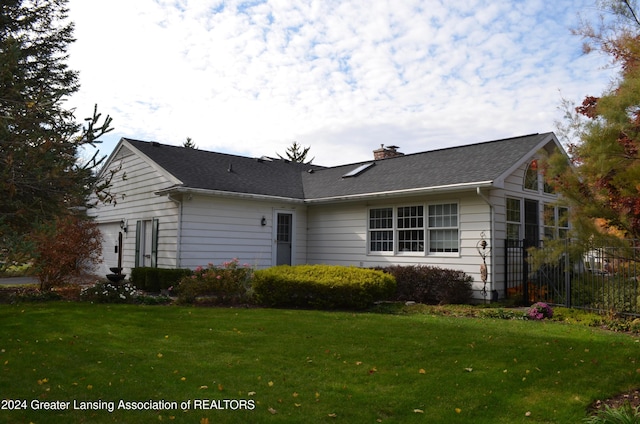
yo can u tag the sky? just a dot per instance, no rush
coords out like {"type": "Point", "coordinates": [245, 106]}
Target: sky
{"type": "Point", "coordinates": [341, 77]}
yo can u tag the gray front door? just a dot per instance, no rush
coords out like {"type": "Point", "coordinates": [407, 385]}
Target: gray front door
{"type": "Point", "coordinates": [284, 238]}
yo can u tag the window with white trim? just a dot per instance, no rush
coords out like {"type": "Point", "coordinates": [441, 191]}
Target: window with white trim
{"type": "Point", "coordinates": [514, 221]}
{"type": "Point", "coordinates": [381, 230]}
{"type": "Point", "coordinates": [411, 229]}
{"type": "Point", "coordinates": [443, 228]}
{"type": "Point", "coordinates": [406, 229]}
{"type": "Point", "coordinates": [556, 222]}
{"type": "Point", "coordinates": [531, 176]}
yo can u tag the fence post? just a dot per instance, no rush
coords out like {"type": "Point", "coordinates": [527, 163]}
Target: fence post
{"type": "Point", "coordinates": [567, 274]}
{"type": "Point", "coordinates": [525, 273]}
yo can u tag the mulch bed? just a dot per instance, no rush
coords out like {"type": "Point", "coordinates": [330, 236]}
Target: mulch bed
{"type": "Point", "coordinates": [631, 397]}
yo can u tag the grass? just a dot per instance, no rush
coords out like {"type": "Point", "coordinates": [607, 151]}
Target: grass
{"type": "Point", "coordinates": [304, 366]}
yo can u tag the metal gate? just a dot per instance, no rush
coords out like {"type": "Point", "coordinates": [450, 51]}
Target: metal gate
{"type": "Point", "coordinates": [528, 283]}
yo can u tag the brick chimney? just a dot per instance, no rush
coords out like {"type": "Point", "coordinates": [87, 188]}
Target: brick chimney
{"type": "Point", "coordinates": [386, 152]}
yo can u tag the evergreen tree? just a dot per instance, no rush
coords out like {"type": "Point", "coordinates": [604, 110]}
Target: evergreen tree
{"type": "Point", "coordinates": [189, 144]}
{"type": "Point", "coordinates": [40, 175]}
{"type": "Point", "coordinates": [297, 153]}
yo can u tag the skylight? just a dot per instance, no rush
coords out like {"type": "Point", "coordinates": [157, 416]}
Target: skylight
{"type": "Point", "coordinates": [358, 170]}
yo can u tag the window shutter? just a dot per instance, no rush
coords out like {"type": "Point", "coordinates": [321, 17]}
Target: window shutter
{"type": "Point", "coordinates": [154, 242]}
{"type": "Point", "coordinates": [138, 234]}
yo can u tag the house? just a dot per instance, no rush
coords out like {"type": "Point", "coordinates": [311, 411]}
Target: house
{"type": "Point", "coordinates": [183, 207]}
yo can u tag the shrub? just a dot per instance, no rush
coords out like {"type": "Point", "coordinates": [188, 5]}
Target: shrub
{"type": "Point", "coordinates": [108, 292]}
{"type": "Point", "coordinates": [322, 286]}
{"type": "Point", "coordinates": [65, 249]}
{"type": "Point", "coordinates": [431, 285]}
{"type": "Point", "coordinates": [222, 285]}
{"type": "Point", "coordinates": [540, 310]}
{"type": "Point", "coordinates": [155, 280]}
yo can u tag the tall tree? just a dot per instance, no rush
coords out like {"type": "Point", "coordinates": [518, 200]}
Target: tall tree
{"type": "Point", "coordinates": [297, 153]}
{"type": "Point", "coordinates": [40, 175]}
{"type": "Point", "coordinates": [603, 183]}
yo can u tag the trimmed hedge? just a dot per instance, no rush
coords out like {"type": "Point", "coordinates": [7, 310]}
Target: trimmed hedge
{"type": "Point", "coordinates": [431, 285]}
{"type": "Point", "coordinates": [321, 286]}
{"type": "Point", "coordinates": [155, 280]}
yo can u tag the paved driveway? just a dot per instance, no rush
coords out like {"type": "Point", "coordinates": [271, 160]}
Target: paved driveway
{"type": "Point", "coordinates": [18, 280]}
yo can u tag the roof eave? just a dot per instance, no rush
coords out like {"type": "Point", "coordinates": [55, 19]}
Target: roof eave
{"type": "Point", "coordinates": [173, 190]}
{"type": "Point", "coordinates": [403, 192]}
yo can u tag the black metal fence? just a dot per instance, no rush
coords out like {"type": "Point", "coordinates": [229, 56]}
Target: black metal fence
{"type": "Point", "coordinates": [605, 279]}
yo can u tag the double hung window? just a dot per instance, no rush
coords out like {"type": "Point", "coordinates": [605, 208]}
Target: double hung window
{"type": "Point", "coordinates": [407, 229]}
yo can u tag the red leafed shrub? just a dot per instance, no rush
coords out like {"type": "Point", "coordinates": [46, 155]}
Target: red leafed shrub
{"type": "Point", "coordinates": [431, 284]}
{"type": "Point", "coordinates": [64, 249]}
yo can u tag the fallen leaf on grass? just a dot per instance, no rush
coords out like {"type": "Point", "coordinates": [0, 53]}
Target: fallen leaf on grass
{"type": "Point", "coordinates": [333, 415]}
{"type": "Point", "coordinates": [272, 411]}
{"type": "Point", "coordinates": [468, 369]}
{"type": "Point", "coordinates": [422, 371]}
{"type": "Point", "coordinates": [418, 411]}
{"type": "Point", "coordinates": [458, 410]}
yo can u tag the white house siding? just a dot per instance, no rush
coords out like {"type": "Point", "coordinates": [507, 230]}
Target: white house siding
{"type": "Point", "coordinates": [217, 229]}
{"type": "Point", "coordinates": [135, 202]}
{"type": "Point", "coordinates": [337, 234]}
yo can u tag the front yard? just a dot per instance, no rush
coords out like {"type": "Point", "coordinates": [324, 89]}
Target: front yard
{"type": "Point", "coordinates": [128, 363]}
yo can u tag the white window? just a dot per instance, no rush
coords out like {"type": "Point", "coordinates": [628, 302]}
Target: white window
{"type": "Point", "coordinates": [514, 220]}
{"type": "Point", "coordinates": [531, 176]}
{"type": "Point", "coordinates": [443, 228]}
{"type": "Point", "coordinates": [556, 222]}
{"type": "Point", "coordinates": [403, 230]}
{"type": "Point", "coordinates": [381, 230]}
{"type": "Point", "coordinates": [411, 229]}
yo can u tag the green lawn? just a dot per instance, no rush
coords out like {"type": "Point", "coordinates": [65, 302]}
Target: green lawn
{"type": "Point", "coordinates": [301, 366]}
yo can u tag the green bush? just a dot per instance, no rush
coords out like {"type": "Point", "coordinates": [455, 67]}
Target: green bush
{"type": "Point", "coordinates": [322, 286]}
{"type": "Point", "coordinates": [154, 280]}
{"type": "Point", "coordinates": [431, 285]}
{"type": "Point", "coordinates": [223, 285]}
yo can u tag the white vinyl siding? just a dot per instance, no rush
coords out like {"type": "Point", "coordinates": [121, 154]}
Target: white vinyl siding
{"type": "Point", "coordinates": [134, 187]}
{"type": "Point", "coordinates": [217, 229]}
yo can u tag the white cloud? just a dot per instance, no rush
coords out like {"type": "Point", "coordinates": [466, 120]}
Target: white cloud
{"type": "Point", "coordinates": [339, 76]}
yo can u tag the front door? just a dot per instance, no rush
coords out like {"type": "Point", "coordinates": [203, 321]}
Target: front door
{"type": "Point", "coordinates": [284, 237]}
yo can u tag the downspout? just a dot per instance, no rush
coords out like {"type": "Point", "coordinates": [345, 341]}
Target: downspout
{"type": "Point", "coordinates": [493, 242]}
{"type": "Point", "coordinates": [179, 229]}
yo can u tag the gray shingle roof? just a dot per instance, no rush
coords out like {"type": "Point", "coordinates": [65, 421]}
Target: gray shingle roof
{"type": "Point", "coordinates": [468, 164]}
{"type": "Point", "coordinates": [481, 162]}
{"type": "Point", "coordinates": [201, 169]}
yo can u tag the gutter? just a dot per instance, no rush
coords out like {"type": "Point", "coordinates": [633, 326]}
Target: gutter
{"type": "Point", "coordinates": [403, 192]}
{"type": "Point", "coordinates": [492, 242]}
{"type": "Point", "coordinates": [207, 192]}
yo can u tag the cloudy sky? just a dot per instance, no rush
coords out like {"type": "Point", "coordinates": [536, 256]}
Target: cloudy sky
{"type": "Point", "coordinates": [250, 77]}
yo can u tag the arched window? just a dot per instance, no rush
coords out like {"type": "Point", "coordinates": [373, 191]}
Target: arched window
{"type": "Point", "coordinates": [531, 176]}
